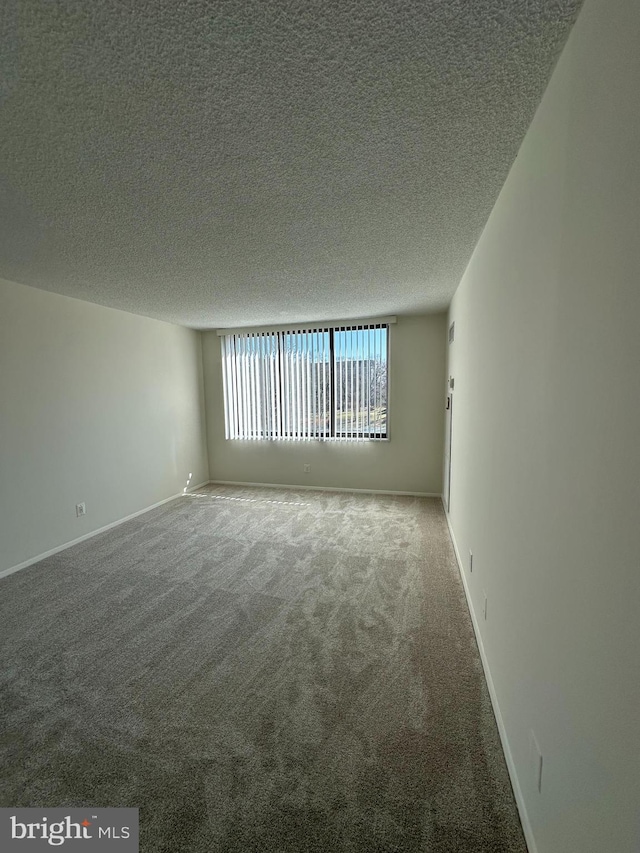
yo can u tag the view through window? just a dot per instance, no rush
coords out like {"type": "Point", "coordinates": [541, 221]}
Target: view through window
{"type": "Point", "coordinates": [306, 384]}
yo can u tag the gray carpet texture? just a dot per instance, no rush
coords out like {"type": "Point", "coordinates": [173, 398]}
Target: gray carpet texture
{"type": "Point", "coordinates": [258, 670]}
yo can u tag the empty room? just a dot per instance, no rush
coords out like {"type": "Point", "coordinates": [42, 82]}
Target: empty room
{"type": "Point", "coordinates": [319, 426]}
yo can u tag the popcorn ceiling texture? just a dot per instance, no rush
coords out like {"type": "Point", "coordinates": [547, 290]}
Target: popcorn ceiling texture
{"type": "Point", "coordinates": [229, 163]}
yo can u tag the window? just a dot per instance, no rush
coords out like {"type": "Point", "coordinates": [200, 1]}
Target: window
{"type": "Point", "coordinates": [322, 383]}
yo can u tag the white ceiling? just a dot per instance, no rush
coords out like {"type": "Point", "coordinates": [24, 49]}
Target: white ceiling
{"type": "Point", "coordinates": [233, 163]}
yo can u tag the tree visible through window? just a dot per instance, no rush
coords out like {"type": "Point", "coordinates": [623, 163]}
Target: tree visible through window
{"type": "Point", "coordinates": [315, 383]}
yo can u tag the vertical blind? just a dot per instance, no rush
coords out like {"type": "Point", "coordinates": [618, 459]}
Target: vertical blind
{"type": "Point", "coordinates": [317, 383]}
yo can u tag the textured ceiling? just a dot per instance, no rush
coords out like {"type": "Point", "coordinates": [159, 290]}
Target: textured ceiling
{"type": "Point", "coordinates": [229, 163]}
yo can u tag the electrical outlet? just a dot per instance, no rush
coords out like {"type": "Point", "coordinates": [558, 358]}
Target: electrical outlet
{"type": "Point", "coordinates": [81, 509]}
{"type": "Point", "coordinates": [485, 605]}
{"type": "Point", "coordinates": [535, 757]}
{"type": "Point", "coordinates": [307, 468]}
{"type": "Point", "coordinates": [470, 561]}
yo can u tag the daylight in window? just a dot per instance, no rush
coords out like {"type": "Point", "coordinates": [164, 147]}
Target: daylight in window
{"type": "Point", "coordinates": [322, 383]}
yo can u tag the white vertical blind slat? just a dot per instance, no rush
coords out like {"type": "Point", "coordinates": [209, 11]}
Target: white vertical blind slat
{"type": "Point", "coordinates": [314, 386]}
{"type": "Point", "coordinates": [242, 386]}
{"type": "Point", "coordinates": [357, 365]}
{"type": "Point", "coordinates": [309, 424]}
{"type": "Point", "coordinates": [300, 387]}
{"type": "Point", "coordinates": [247, 378]}
{"type": "Point", "coordinates": [257, 370]}
{"type": "Point", "coordinates": [375, 384]}
{"type": "Point", "coordinates": [272, 387]}
{"type": "Point", "coordinates": [379, 336]}
{"type": "Point", "coordinates": [339, 420]}
{"type": "Point", "coordinates": [326, 400]}
{"type": "Point", "coordinates": [351, 384]}
{"type": "Point", "coordinates": [296, 394]}
{"type": "Point", "coordinates": [264, 391]}
{"type": "Point", "coordinates": [368, 376]}
{"type": "Point", "coordinates": [246, 413]}
{"type": "Point", "coordinates": [234, 385]}
{"type": "Point", "coordinates": [303, 385]}
{"type": "Point", "coordinates": [225, 367]}
{"type": "Point", "coordinates": [252, 386]}
{"type": "Point", "coordinates": [379, 339]}
{"type": "Point", "coordinates": [255, 401]}
{"type": "Point", "coordinates": [278, 372]}
{"type": "Point", "coordinates": [286, 407]}
{"type": "Point", "coordinates": [291, 394]}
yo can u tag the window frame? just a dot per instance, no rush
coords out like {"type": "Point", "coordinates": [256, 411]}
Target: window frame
{"type": "Point", "coordinates": [277, 431]}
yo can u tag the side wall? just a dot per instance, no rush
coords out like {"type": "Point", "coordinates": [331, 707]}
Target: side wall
{"type": "Point", "coordinates": [546, 444]}
{"type": "Point", "coordinates": [410, 461]}
{"type": "Point", "coordinates": [96, 405]}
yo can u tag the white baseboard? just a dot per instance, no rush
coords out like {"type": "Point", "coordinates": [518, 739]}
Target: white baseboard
{"type": "Point", "coordinates": [515, 783]}
{"type": "Point", "coordinates": [324, 489]}
{"type": "Point", "coordinates": [86, 536]}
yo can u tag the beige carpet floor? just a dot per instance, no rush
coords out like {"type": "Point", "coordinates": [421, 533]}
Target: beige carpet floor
{"type": "Point", "coordinates": [258, 670]}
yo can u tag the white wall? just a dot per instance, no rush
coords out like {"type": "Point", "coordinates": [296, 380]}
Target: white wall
{"type": "Point", "coordinates": [96, 405]}
{"type": "Point", "coordinates": [410, 461]}
{"type": "Point", "coordinates": [546, 442]}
